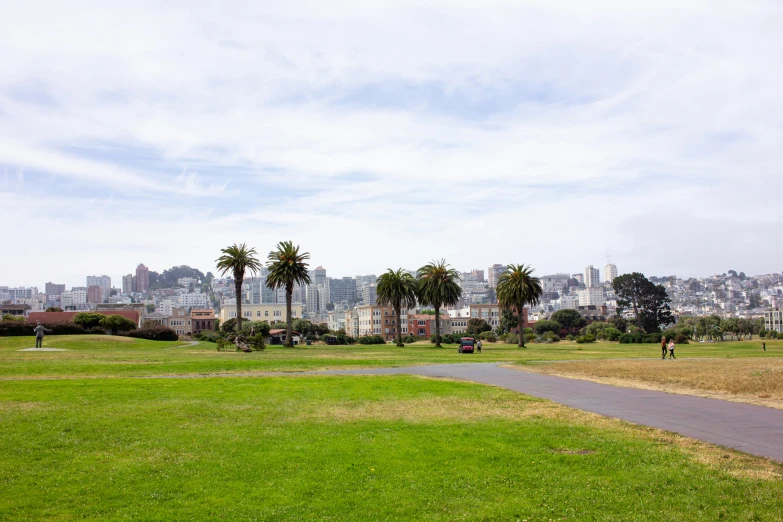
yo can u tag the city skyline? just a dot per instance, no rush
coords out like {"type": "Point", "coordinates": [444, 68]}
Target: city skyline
{"type": "Point", "coordinates": [544, 136]}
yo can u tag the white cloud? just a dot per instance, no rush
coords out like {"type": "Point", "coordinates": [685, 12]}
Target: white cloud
{"type": "Point", "coordinates": [387, 134]}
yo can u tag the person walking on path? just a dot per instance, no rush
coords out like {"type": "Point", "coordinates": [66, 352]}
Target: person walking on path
{"type": "Point", "coordinates": [663, 347]}
{"type": "Point", "coordinates": [764, 345]}
{"type": "Point", "coordinates": [671, 349]}
{"type": "Point", "coordinates": [39, 335]}
{"type": "Point", "coordinates": [478, 346]}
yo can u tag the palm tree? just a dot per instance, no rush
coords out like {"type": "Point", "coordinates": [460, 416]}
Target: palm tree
{"type": "Point", "coordinates": [287, 268]}
{"type": "Point", "coordinates": [516, 288]}
{"type": "Point", "coordinates": [398, 290]}
{"type": "Point", "coordinates": [238, 259]}
{"type": "Point", "coordinates": [438, 287]}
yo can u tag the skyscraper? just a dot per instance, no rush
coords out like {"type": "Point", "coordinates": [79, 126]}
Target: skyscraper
{"type": "Point", "coordinates": [127, 284]}
{"type": "Point", "coordinates": [493, 274]}
{"type": "Point", "coordinates": [103, 282]}
{"type": "Point", "coordinates": [142, 278]}
{"type": "Point", "coordinates": [319, 276]}
{"type": "Point", "coordinates": [54, 289]}
{"type": "Point", "coordinates": [592, 276]}
{"type": "Point", "coordinates": [610, 272]}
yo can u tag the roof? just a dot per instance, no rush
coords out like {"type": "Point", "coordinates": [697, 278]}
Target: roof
{"type": "Point", "coordinates": [277, 332]}
{"type": "Point", "coordinates": [67, 317]}
{"type": "Point", "coordinates": [15, 307]}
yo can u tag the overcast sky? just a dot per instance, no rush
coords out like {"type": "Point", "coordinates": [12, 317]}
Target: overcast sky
{"type": "Point", "coordinates": [386, 134]}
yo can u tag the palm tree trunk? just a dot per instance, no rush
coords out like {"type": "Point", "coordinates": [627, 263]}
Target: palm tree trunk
{"type": "Point", "coordinates": [238, 290]}
{"type": "Point", "coordinates": [521, 323]}
{"type": "Point", "coordinates": [437, 327]}
{"type": "Point", "coordinates": [289, 296]}
{"type": "Point", "coordinates": [399, 328]}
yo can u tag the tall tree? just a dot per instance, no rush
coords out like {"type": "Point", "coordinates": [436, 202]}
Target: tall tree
{"type": "Point", "coordinates": [398, 290]}
{"type": "Point", "coordinates": [287, 267]}
{"type": "Point", "coordinates": [518, 287]}
{"type": "Point", "coordinates": [649, 302]}
{"type": "Point", "coordinates": [571, 320]}
{"type": "Point", "coordinates": [238, 259]}
{"type": "Point", "coordinates": [437, 287]}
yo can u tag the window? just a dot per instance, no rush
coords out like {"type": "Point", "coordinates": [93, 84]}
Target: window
{"type": "Point", "coordinates": [266, 313]}
{"type": "Point", "coordinates": [258, 313]}
{"type": "Point", "coordinates": [422, 323]}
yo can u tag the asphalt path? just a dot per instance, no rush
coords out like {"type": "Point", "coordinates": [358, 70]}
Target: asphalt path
{"type": "Point", "coordinates": [757, 430]}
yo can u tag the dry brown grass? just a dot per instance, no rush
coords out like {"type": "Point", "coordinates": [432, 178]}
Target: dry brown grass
{"type": "Point", "coordinates": [755, 381]}
{"type": "Point", "coordinates": [519, 408]}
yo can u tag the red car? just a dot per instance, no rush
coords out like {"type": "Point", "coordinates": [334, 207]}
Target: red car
{"type": "Point", "coordinates": [467, 345]}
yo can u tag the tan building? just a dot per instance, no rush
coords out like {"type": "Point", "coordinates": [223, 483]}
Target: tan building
{"type": "Point", "coordinates": [158, 318]}
{"type": "Point", "coordinates": [491, 313]}
{"type": "Point", "coordinates": [202, 319]}
{"type": "Point", "coordinates": [269, 312]}
{"type": "Point", "coordinates": [378, 320]}
{"type": "Point", "coordinates": [180, 321]}
{"type": "Point", "coordinates": [458, 325]}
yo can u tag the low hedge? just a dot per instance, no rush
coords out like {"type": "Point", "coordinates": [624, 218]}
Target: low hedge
{"type": "Point", "coordinates": [641, 338]}
{"type": "Point", "coordinates": [17, 328]}
{"type": "Point", "coordinates": [154, 333]}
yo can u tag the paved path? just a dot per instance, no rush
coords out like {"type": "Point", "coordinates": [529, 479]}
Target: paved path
{"type": "Point", "coordinates": [753, 429]}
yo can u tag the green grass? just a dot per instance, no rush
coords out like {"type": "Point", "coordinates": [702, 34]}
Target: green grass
{"type": "Point", "coordinates": [117, 357]}
{"type": "Point", "coordinates": [343, 448]}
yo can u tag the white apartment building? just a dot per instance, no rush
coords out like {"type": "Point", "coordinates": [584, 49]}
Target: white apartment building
{"type": "Point", "coordinates": [568, 301]}
{"type": "Point", "coordinates": [461, 312]}
{"type": "Point", "coordinates": [773, 320]}
{"type": "Point", "coordinates": [73, 298]}
{"type": "Point", "coordinates": [269, 312]}
{"type": "Point", "coordinates": [167, 306]}
{"type": "Point", "coordinates": [554, 282]}
{"type": "Point", "coordinates": [193, 300]}
{"type": "Point", "coordinates": [610, 272]}
{"type": "Point", "coordinates": [591, 296]}
{"type": "Point", "coordinates": [369, 294]}
{"type": "Point", "coordinates": [592, 276]}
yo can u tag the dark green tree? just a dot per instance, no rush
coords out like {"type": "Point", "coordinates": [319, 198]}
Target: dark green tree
{"type": "Point", "coordinates": [117, 323]}
{"type": "Point", "coordinates": [648, 301]}
{"type": "Point", "coordinates": [397, 289]}
{"type": "Point", "coordinates": [570, 320]}
{"type": "Point", "coordinates": [518, 287]}
{"type": "Point", "coordinates": [477, 326]}
{"type": "Point", "coordinates": [548, 326]}
{"type": "Point", "coordinates": [437, 287]}
{"type": "Point", "coordinates": [238, 259]}
{"type": "Point", "coordinates": [287, 268]}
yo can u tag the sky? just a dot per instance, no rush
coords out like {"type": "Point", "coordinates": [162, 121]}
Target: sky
{"type": "Point", "coordinates": [386, 134]}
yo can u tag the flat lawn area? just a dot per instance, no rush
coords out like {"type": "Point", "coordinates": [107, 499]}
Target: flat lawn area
{"type": "Point", "coordinates": [97, 355]}
{"type": "Point", "coordinates": [351, 448]}
{"type": "Point", "coordinates": [752, 380]}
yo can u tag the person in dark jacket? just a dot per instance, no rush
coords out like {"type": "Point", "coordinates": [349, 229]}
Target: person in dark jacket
{"type": "Point", "coordinates": [39, 335]}
{"type": "Point", "coordinates": [663, 348]}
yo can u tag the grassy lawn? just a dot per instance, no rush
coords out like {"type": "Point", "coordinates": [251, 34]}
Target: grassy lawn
{"type": "Point", "coordinates": [121, 356]}
{"type": "Point", "coordinates": [752, 380]}
{"type": "Point", "coordinates": [350, 448]}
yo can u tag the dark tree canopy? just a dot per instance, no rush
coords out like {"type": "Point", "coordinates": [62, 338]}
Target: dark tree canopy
{"type": "Point", "coordinates": [648, 301]}
{"type": "Point", "coordinates": [569, 319]}
{"type": "Point", "coordinates": [477, 326]}
{"type": "Point", "coordinates": [548, 326]}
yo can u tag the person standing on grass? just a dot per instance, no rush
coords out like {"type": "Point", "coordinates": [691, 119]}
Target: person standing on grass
{"type": "Point", "coordinates": [663, 347]}
{"type": "Point", "coordinates": [478, 346]}
{"type": "Point", "coordinates": [764, 345]}
{"type": "Point", "coordinates": [671, 349]}
{"type": "Point", "coordinates": [39, 335]}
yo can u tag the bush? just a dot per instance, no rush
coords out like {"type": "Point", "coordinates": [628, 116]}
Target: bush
{"type": "Point", "coordinates": [548, 326]}
{"type": "Point", "coordinates": [570, 337]}
{"type": "Point", "coordinates": [585, 339]}
{"type": "Point", "coordinates": [653, 338]}
{"type": "Point", "coordinates": [680, 338]}
{"type": "Point", "coordinates": [489, 337]}
{"type": "Point", "coordinates": [612, 334]}
{"type": "Point", "coordinates": [512, 338]}
{"type": "Point", "coordinates": [116, 323]}
{"type": "Point", "coordinates": [207, 336]}
{"type": "Point", "coordinates": [371, 339]}
{"type": "Point", "coordinates": [9, 317]}
{"type": "Point", "coordinates": [17, 328]}
{"type": "Point", "coordinates": [626, 338]}
{"type": "Point", "coordinates": [154, 332]}
{"type": "Point", "coordinates": [550, 337]}
{"type": "Point", "coordinates": [640, 338]}
{"type": "Point", "coordinates": [88, 320]}
{"type": "Point", "coordinates": [229, 326]}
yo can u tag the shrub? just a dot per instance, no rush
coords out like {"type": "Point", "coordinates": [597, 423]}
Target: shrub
{"type": "Point", "coordinates": [17, 328]}
{"type": "Point", "coordinates": [681, 338]}
{"type": "Point", "coordinates": [626, 338]}
{"type": "Point", "coordinates": [371, 339]}
{"type": "Point", "coordinates": [208, 336]}
{"type": "Point", "coordinates": [585, 339]}
{"type": "Point", "coordinates": [9, 317]}
{"type": "Point", "coordinates": [550, 337]}
{"type": "Point", "coordinates": [612, 334]}
{"type": "Point", "coordinates": [548, 326]}
{"type": "Point", "coordinates": [512, 338]}
{"type": "Point", "coordinates": [154, 332]}
{"type": "Point", "coordinates": [88, 320]}
{"type": "Point", "coordinates": [570, 337]}
{"type": "Point", "coordinates": [490, 337]}
{"type": "Point", "coordinates": [653, 338]}
{"type": "Point", "coordinates": [229, 326]}
{"type": "Point", "coordinates": [116, 323]}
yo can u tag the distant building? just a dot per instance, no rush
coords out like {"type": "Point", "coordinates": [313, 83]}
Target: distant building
{"type": "Point", "coordinates": [202, 319]}
{"type": "Point", "coordinates": [73, 298]}
{"type": "Point", "coordinates": [423, 325]}
{"type": "Point", "coordinates": [493, 274]}
{"type": "Point", "coordinates": [142, 279]}
{"type": "Point", "coordinates": [610, 272]}
{"type": "Point", "coordinates": [554, 282]}
{"type": "Point", "coordinates": [17, 310]}
{"type": "Point", "coordinates": [194, 300]}
{"type": "Point", "coordinates": [478, 275]}
{"type": "Point", "coordinates": [261, 312]}
{"type": "Point", "coordinates": [773, 320]}
{"type": "Point", "coordinates": [102, 281]}
{"type": "Point", "coordinates": [379, 320]}
{"type": "Point", "coordinates": [580, 278]}
{"type": "Point", "coordinates": [592, 296]}
{"type": "Point", "coordinates": [592, 276]}
{"type": "Point", "coordinates": [319, 276]}
{"type": "Point", "coordinates": [127, 284]}
{"type": "Point", "coordinates": [340, 290]}
{"type": "Point", "coordinates": [369, 294]}
{"type": "Point", "coordinates": [54, 289]}
{"type": "Point", "coordinates": [158, 318]}
{"type": "Point", "coordinates": [179, 321]}
{"type": "Point", "coordinates": [491, 313]}
{"type": "Point", "coordinates": [94, 294]}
